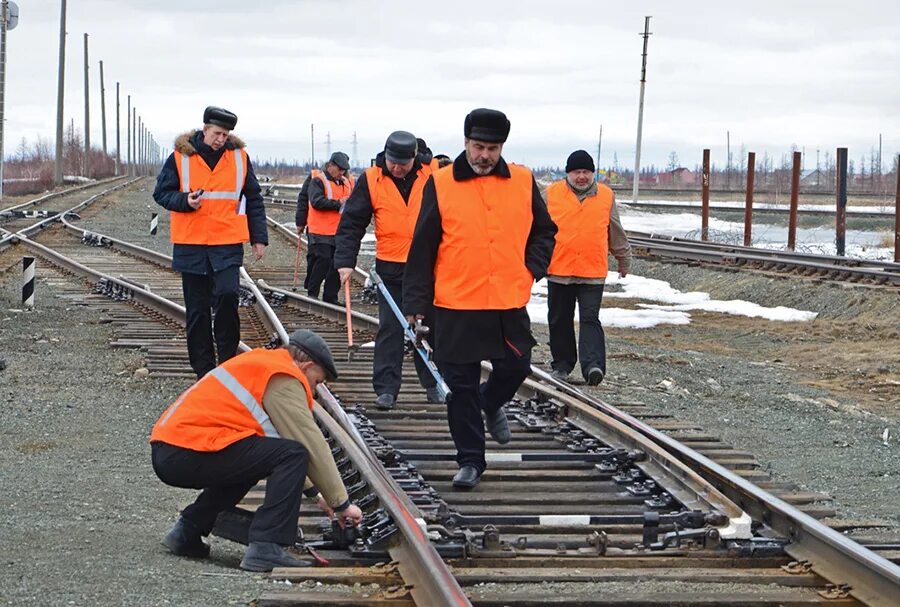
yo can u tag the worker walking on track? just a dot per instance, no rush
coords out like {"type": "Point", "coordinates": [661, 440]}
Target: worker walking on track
{"type": "Point", "coordinates": [589, 230]}
{"type": "Point", "coordinates": [247, 420]}
{"type": "Point", "coordinates": [209, 187]}
{"type": "Point", "coordinates": [328, 190]}
{"type": "Point", "coordinates": [392, 192]}
{"type": "Point", "coordinates": [482, 238]}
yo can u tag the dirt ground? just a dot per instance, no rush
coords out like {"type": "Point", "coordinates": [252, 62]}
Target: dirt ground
{"type": "Point", "coordinates": [83, 513]}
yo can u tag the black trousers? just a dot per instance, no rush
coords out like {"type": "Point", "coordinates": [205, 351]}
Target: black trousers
{"type": "Point", "coordinates": [226, 476]}
{"type": "Point", "coordinates": [387, 371]}
{"type": "Point", "coordinates": [211, 307]}
{"type": "Point", "coordinates": [470, 397]}
{"type": "Point", "coordinates": [561, 317]}
{"type": "Point", "coordinates": [321, 269]}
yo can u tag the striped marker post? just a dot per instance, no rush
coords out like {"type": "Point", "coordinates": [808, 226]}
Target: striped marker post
{"type": "Point", "coordinates": [154, 223]}
{"type": "Point", "coordinates": [28, 282]}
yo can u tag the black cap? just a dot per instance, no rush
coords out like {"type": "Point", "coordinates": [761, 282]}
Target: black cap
{"type": "Point", "coordinates": [340, 160]}
{"type": "Point", "coordinates": [486, 125]}
{"type": "Point", "coordinates": [400, 147]}
{"type": "Point", "coordinates": [219, 117]}
{"type": "Point", "coordinates": [316, 348]}
{"type": "Point", "coordinates": [579, 159]}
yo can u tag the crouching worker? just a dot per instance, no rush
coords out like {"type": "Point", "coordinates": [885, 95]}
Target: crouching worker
{"type": "Point", "coordinates": [246, 420]}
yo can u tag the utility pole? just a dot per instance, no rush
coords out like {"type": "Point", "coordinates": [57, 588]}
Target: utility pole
{"type": "Point", "coordinates": [312, 143]}
{"type": "Point", "coordinates": [599, 144]}
{"type": "Point", "coordinates": [880, 185]}
{"type": "Point", "coordinates": [128, 135]}
{"type": "Point", "coordinates": [134, 135]}
{"type": "Point", "coordinates": [4, 15]}
{"type": "Point", "coordinates": [328, 144]}
{"type": "Point", "coordinates": [103, 108]}
{"type": "Point", "coordinates": [60, 88]}
{"type": "Point", "coordinates": [355, 155]}
{"type": "Point", "coordinates": [637, 153]}
{"type": "Point", "coordinates": [118, 134]}
{"type": "Point", "coordinates": [140, 146]}
{"type": "Point", "coordinates": [87, 113]}
{"type": "Point", "coordinates": [727, 160]}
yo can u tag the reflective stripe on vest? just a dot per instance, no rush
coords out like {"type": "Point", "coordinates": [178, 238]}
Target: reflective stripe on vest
{"type": "Point", "coordinates": [325, 223]}
{"type": "Point", "coordinates": [481, 257]}
{"type": "Point", "coordinates": [221, 219]}
{"type": "Point", "coordinates": [246, 399]}
{"type": "Point", "coordinates": [395, 219]}
{"type": "Point", "coordinates": [213, 195]}
{"type": "Point", "coordinates": [582, 239]}
{"type": "Point", "coordinates": [226, 405]}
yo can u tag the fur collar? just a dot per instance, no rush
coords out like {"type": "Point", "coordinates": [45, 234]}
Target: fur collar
{"type": "Point", "coordinates": [183, 143]}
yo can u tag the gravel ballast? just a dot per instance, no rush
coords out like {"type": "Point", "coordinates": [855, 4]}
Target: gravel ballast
{"type": "Point", "coordinates": [84, 514]}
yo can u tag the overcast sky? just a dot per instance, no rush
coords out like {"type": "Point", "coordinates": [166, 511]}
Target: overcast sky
{"type": "Point", "coordinates": [816, 74]}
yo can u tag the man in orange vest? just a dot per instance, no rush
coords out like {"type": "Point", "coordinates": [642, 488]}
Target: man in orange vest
{"type": "Point", "coordinates": [329, 189]}
{"type": "Point", "coordinates": [392, 192]}
{"type": "Point", "coordinates": [247, 420]}
{"type": "Point", "coordinates": [589, 230]}
{"type": "Point", "coordinates": [483, 237]}
{"type": "Point", "coordinates": [215, 205]}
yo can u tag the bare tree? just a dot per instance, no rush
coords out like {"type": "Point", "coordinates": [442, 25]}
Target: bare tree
{"type": "Point", "coordinates": [673, 161]}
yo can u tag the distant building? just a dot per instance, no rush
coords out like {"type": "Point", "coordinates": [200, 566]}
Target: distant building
{"type": "Point", "coordinates": [678, 177]}
{"type": "Point", "coordinates": [813, 178]}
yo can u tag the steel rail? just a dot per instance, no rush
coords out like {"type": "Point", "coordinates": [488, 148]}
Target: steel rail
{"type": "Point", "coordinates": [420, 564]}
{"type": "Point", "coordinates": [872, 579]}
{"type": "Point", "coordinates": [792, 255]}
{"type": "Point", "coordinates": [760, 209]}
{"type": "Point", "coordinates": [671, 474]}
{"type": "Point", "coordinates": [45, 197]}
{"type": "Point", "coordinates": [167, 308]}
{"type": "Point", "coordinates": [737, 259]}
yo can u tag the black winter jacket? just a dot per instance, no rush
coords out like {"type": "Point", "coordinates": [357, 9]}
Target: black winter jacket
{"type": "Point", "coordinates": [204, 259]}
{"type": "Point", "coordinates": [465, 336]}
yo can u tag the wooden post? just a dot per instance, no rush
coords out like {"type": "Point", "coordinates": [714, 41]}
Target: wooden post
{"type": "Point", "coordinates": [748, 205]}
{"type": "Point", "coordinates": [841, 195]}
{"type": "Point", "coordinates": [897, 217]}
{"type": "Point", "coordinates": [795, 197]}
{"type": "Point", "coordinates": [704, 230]}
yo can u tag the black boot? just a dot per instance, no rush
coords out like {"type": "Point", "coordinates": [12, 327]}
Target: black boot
{"type": "Point", "coordinates": [265, 556]}
{"type": "Point", "coordinates": [467, 477]}
{"type": "Point", "coordinates": [185, 540]}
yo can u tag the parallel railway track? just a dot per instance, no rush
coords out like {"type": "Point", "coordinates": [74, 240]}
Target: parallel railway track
{"type": "Point", "coordinates": [847, 270]}
{"type": "Point", "coordinates": [625, 506]}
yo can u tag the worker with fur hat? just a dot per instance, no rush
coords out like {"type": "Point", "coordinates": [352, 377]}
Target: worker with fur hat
{"type": "Point", "coordinates": [589, 230]}
{"type": "Point", "coordinates": [391, 192]}
{"type": "Point", "coordinates": [327, 192]}
{"type": "Point", "coordinates": [251, 419]}
{"type": "Point", "coordinates": [483, 237]}
{"type": "Point", "coordinates": [215, 206]}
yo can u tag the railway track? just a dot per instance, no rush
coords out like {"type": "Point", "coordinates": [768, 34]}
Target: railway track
{"type": "Point", "coordinates": [803, 266]}
{"type": "Point", "coordinates": [622, 505]}
{"type": "Point", "coordinates": [845, 270]}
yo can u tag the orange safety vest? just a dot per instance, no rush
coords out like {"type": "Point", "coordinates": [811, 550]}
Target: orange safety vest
{"type": "Point", "coordinates": [222, 217]}
{"type": "Point", "coordinates": [582, 239]}
{"type": "Point", "coordinates": [481, 258]}
{"type": "Point", "coordinates": [226, 405]}
{"type": "Point", "coordinates": [325, 223]}
{"type": "Point", "coordinates": [395, 219]}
